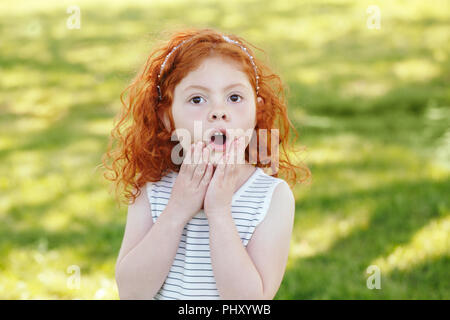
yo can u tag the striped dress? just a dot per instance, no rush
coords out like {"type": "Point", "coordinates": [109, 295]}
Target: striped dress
{"type": "Point", "coordinates": [191, 275]}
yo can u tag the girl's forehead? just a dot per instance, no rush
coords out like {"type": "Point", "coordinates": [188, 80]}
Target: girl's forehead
{"type": "Point", "coordinates": [210, 70]}
{"type": "Point", "coordinates": [216, 65]}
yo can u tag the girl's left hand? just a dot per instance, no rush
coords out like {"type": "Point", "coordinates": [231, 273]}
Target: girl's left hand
{"type": "Point", "coordinates": [222, 186]}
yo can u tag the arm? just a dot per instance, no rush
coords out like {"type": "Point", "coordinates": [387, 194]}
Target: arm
{"type": "Point", "coordinates": [148, 250]}
{"type": "Point", "coordinates": [255, 272]}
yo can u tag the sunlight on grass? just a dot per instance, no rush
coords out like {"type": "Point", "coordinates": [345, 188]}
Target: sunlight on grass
{"type": "Point", "coordinates": [55, 219]}
{"type": "Point", "coordinates": [335, 149]}
{"type": "Point", "coordinates": [39, 268]}
{"type": "Point", "coordinates": [310, 76]}
{"type": "Point", "coordinates": [318, 236]}
{"type": "Point", "coordinates": [416, 70]}
{"type": "Point", "coordinates": [6, 142]}
{"type": "Point", "coordinates": [99, 127]}
{"type": "Point", "coordinates": [431, 242]}
{"type": "Point", "coordinates": [371, 108]}
{"type": "Point", "coordinates": [365, 88]}
{"type": "Point", "coordinates": [19, 76]}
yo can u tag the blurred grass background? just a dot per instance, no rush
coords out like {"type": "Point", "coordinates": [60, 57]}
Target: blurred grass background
{"type": "Point", "coordinates": [371, 107]}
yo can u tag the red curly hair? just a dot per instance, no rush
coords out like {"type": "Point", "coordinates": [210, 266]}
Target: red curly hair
{"type": "Point", "coordinates": [139, 148]}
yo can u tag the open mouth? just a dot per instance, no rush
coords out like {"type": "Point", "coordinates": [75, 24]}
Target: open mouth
{"type": "Point", "coordinates": [218, 139]}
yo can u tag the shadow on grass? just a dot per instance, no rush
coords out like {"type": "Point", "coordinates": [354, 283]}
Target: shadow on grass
{"type": "Point", "coordinates": [65, 130]}
{"type": "Point", "coordinates": [426, 280]}
{"type": "Point", "coordinates": [93, 241]}
{"type": "Point", "coordinates": [339, 272]}
{"type": "Point", "coordinates": [396, 116]}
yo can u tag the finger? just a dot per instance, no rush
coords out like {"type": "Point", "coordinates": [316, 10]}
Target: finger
{"type": "Point", "coordinates": [231, 160]}
{"type": "Point", "coordinates": [190, 154]}
{"type": "Point", "coordinates": [232, 154]}
{"type": "Point", "coordinates": [185, 165]}
{"type": "Point", "coordinates": [206, 153]}
{"type": "Point", "coordinates": [230, 171]}
{"type": "Point", "coordinates": [203, 165]}
{"type": "Point", "coordinates": [220, 172]}
{"type": "Point", "coordinates": [221, 159]}
{"type": "Point", "coordinates": [240, 151]}
{"type": "Point", "coordinates": [197, 152]}
{"type": "Point", "coordinates": [208, 175]}
{"type": "Point", "coordinates": [198, 173]}
{"type": "Point", "coordinates": [196, 155]}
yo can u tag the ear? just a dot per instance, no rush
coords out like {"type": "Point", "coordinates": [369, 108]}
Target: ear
{"type": "Point", "coordinates": [166, 122]}
{"type": "Point", "coordinates": [260, 100]}
{"type": "Point", "coordinates": [260, 104]}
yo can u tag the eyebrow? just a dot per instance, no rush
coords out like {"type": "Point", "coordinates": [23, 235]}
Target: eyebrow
{"type": "Point", "coordinates": [224, 89]}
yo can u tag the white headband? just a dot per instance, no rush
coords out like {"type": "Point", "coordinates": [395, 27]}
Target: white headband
{"type": "Point", "coordinates": [226, 39]}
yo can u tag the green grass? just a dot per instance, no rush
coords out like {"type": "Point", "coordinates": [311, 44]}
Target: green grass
{"type": "Point", "coordinates": [371, 107]}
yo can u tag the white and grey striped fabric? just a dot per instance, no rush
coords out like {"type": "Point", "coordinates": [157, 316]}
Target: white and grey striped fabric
{"type": "Point", "coordinates": [191, 275]}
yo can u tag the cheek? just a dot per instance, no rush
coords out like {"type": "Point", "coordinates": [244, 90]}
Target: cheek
{"type": "Point", "coordinates": [185, 114]}
{"type": "Point", "coordinates": [195, 114]}
{"type": "Point", "coordinates": [185, 117]}
{"type": "Point", "coordinates": [246, 117]}
{"type": "Point", "coordinates": [185, 124]}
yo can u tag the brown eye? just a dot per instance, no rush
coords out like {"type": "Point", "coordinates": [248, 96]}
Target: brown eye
{"type": "Point", "coordinates": [235, 96]}
{"type": "Point", "coordinates": [196, 99]}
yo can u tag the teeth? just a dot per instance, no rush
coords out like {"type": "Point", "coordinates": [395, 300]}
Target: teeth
{"type": "Point", "coordinates": [219, 135]}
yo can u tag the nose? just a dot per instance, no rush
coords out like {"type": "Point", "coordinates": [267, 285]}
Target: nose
{"type": "Point", "coordinates": [218, 115]}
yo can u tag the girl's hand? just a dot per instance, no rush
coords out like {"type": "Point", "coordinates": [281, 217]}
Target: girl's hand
{"type": "Point", "coordinates": [223, 183]}
{"type": "Point", "coordinates": [192, 182]}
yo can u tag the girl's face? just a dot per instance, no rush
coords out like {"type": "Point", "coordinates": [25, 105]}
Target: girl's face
{"type": "Point", "coordinates": [217, 95]}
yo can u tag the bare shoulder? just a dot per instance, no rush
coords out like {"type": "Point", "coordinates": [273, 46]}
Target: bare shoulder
{"type": "Point", "coordinates": [283, 198]}
{"type": "Point", "coordinates": [272, 237]}
{"type": "Point", "coordinates": [279, 218]}
{"type": "Point", "coordinates": [282, 207]}
{"type": "Point", "coordinates": [141, 202]}
{"type": "Point", "coordinates": [138, 223]}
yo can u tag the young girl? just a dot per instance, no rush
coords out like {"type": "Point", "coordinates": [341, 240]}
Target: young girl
{"type": "Point", "coordinates": [210, 224]}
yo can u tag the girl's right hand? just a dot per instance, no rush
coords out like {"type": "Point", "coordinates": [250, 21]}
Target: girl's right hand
{"type": "Point", "coordinates": [189, 189]}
